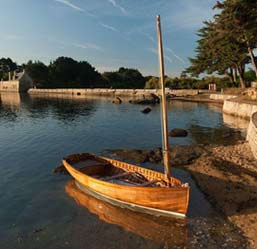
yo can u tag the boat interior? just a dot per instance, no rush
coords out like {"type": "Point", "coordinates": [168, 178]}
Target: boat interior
{"type": "Point", "coordinates": [104, 170]}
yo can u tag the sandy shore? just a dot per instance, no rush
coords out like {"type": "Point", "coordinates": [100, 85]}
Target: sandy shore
{"type": "Point", "coordinates": [228, 177]}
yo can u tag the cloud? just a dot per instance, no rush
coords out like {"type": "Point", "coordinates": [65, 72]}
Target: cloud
{"type": "Point", "coordinates": [109, 27]}
{"type": "Point", "coordinates": [148, 36]}
{"type": "Point", "coordinates": [155, 51]}
{"type": "Point", "coordinates": [87, 46]}
{"type": "Point", "coordinates": [175, 55]}
{"type": "Point", "coordinates": [71, 5]}
{"type": "Point", "coordinates": [114, 3]}
{"type": "Point", "coordinates": [168, 58]}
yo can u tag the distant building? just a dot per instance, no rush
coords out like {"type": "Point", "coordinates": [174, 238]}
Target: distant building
{"type": "Point", "coordinates": [18, 82]}
{"type": "Point", "coordinates": [213, 87]}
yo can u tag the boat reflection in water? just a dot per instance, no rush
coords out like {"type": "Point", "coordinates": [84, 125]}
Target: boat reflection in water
{"type": "Point", "coordinates": [168, 231]}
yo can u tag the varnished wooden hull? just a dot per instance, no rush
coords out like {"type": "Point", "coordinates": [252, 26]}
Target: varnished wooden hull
{"type": "Point", "coordinates": [168, 201]}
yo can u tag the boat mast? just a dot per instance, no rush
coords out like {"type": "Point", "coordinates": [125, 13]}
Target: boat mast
{"type": "Point", "coordinates": [166, 155]}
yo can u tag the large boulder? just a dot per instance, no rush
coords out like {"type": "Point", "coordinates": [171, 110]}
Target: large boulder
{"type": "Point", "coordinates": [178, 133]}
{"type": "Point", "coordinates": [146, 100]}
{"type": "Point", "coordinates": [117, 100]}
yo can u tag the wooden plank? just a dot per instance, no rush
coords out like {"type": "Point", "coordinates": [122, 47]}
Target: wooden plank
{"type": "Point", "coordinates": [117, 176]}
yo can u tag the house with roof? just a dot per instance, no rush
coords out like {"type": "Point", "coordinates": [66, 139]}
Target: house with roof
{"type": "Point", "coordinates": [18, 82]}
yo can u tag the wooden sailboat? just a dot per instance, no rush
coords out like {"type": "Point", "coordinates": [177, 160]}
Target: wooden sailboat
{"type": "Point", "coordinates": [132, 186]}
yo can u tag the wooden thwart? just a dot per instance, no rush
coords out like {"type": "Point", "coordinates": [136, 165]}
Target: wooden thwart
{"type": "Point", "coordinates": [117, 176]}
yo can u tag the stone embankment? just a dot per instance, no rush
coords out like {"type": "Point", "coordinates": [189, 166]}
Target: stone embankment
{"type": "Point", "coordinates": [113, 92]}
{"type": "Point", "coordinates": [239, 108]}
{"type": "Point", "coordinates": [247, 110]}
{"type": "Point", "coordinates": [252, 134]}
{"type": "Point", "coordinates": [222, 97]}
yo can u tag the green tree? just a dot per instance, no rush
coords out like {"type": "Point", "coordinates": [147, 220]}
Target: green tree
{"type": "Point", "coordinates": [38, 71]}
{"type": "Point", "coordinates": [237, 20]}
{"type": "Point", "coordinates": [152, 83]}
{"type": "Point", "coordinates": [67, 72]}
{"type": "Point", "coordinates": [6, 65]}
{"type": "Point", "coordinates": [124, 78]}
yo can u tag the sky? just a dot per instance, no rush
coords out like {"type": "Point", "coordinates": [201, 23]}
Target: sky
{"type": "Point", "coordinates": [106, 33]}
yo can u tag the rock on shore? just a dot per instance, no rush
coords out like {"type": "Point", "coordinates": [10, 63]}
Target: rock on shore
{"type": "Point", "coordinates": [146, 100]}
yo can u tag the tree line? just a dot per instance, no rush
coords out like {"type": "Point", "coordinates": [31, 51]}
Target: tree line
{"type": "Point", "coordinates": [65, 72]}
{"type": "Point", "coordinates": [226, 43]}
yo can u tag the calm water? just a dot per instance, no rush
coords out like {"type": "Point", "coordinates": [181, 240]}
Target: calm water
{"type": "Point", "coordinates": [40, 210]}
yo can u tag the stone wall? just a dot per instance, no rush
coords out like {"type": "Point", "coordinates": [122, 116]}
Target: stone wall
{"type": "Point", "coordinates": [222, 97]}
{"type": "Point", "coordinates": [9, 86]}
{"type": "Point", "coordinates": [112, 92]}
{"type": "Point", "coordinates": [240, 109]}
{"type": "Point", "coordinates": [252, 134]}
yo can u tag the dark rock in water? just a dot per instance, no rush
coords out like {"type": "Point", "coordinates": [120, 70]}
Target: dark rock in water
{"type": "Point", "coordinates": [155, 98]}
{"type": "Point", "coordinates": [180, 155]}
{"type": "Point", "coordinates": [170, 96]}
{"type": "Point", "coordinates": [146, 110]}
{"type": "Point", "coordinates": [155, 155]}
{"type": "Point", "coordinates": [178, 133]}
{"type": "Point", "coordinates": [184, 155]}
{"type": "Point", "coordinates": [147, 100]}
{"type": "Point", "coordinates": [117, 100]}
{"type": "Point", "coordinates": [138, 156]}
{"type": "Point", "coordinates": [60, 170]}
{"type": "Point", "coordinates": [38, 230]}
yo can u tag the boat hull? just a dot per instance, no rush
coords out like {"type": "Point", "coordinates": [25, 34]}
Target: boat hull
{"type": "Point", "coordinates": [131, 206]}
{"type": "Point", "coordinates": [158, 200]}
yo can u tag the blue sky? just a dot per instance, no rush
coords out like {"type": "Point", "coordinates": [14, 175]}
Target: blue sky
{"type": "Point", "coordinates": [106, 33]}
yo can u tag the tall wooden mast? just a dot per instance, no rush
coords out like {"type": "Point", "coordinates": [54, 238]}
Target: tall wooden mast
{"type": "Point", "coordinates": [166, 155]}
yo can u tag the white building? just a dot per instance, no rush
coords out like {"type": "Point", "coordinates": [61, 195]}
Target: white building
{"type": "Point", "coordinates": [18, 82]}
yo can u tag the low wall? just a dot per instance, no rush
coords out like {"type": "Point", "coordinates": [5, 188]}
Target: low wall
{"type": "Point", "coordinates": [240, 109]}
{"type": "Point", "coordinates": [252, 134]}
{"type": "Point", "coordinates": [9, 86]}
{"type": "Point", "coordinates": [112, 92]}
{"type": "Point", "coordinates": [222, 97]}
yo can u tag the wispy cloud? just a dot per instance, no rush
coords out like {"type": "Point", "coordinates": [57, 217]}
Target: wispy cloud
{"type": "Point", "coordinates": [71, 5]}
{"type": "Point", "coordinates": [155, 51]}
{"type": "Point", "coordinates": [148, 36]}
{"type": "Point", "coordinates": [87, 46]}
{"type": "Point", "coordinates": [114, 3]}
{"type": "Point", "coordinates": [109, 27]}
{"type": "Point", "coordinates": [175, 55]}
{"type": "Point", "coordinates": [168, 58]}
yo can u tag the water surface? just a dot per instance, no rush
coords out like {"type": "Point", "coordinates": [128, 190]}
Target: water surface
{"type": "Point", "coordinates": [40, 210]}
